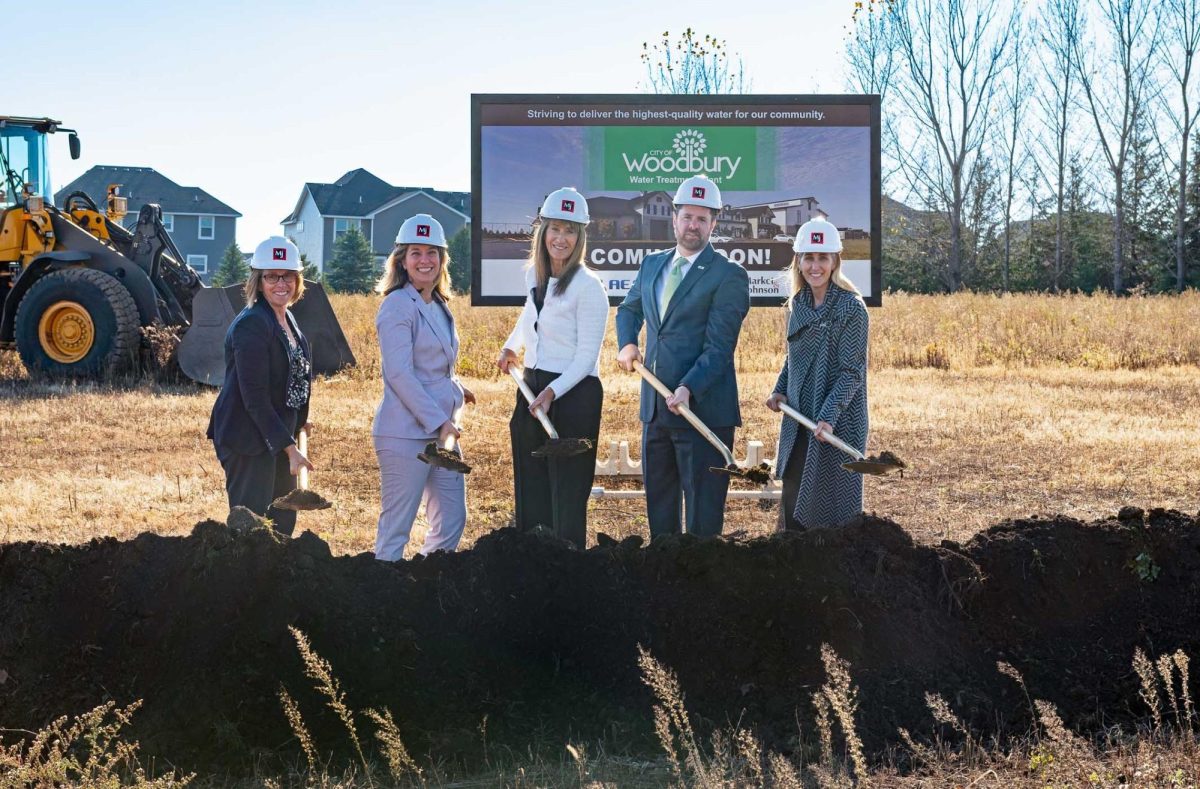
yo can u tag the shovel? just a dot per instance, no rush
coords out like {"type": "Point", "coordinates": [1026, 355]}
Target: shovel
{"type": "Point", "coordinates": [556, 447]}
{"type": "Point", "coordinates": [883, 463]}
{"type": "Point", "coordinates": [444, 456]}
{"type": "Point", "coordinates": [301, 499]}
{"type": "Point", "coordinates": [760, 474]}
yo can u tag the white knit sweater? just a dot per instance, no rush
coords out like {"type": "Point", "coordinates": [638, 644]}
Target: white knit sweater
{"type": "Point", "coordinates": [570, 329]}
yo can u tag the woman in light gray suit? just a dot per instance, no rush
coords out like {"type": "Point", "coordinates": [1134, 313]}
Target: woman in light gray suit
{"type": "Point", "coordinates": [422, 399]}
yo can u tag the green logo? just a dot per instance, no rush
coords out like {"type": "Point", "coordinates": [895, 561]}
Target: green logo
{"type": "Point", "coordinates": [659, 157]}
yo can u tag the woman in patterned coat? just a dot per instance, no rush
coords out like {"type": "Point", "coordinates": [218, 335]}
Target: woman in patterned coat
{"type": "Point", "coordinates": [824, 378]}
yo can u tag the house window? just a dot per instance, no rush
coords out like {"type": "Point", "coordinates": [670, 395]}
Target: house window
{"type": "Point", "coordinates": [199, 263]}
{"type": "Point", "coordinates": [207, 228]}
{"type": "Point", "coordinates": [340, 226]}
{"type": "Point", "coordinates": [169, 223]}
{"type": "Point", "coordinates": [300, 226]}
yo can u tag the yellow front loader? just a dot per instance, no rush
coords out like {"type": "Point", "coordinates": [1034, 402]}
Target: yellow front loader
{"type": "Point", "coordinates": [77, 287]}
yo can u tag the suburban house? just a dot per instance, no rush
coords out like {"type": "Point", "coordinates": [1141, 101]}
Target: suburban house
{"type": "Point", "coordinates": [201, 226]}
{"type": "Point", "coordinates": [785, 215]}
{"type": "Point", "coordinates": [359, 199]}
{"type": "Point", "coordinates": [647, 217]}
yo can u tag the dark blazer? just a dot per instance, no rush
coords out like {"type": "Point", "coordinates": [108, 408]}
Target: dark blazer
{"type": "Point", "coordinates": [250, 415]}
{"type": "Point", "coordinates": [692, 345]}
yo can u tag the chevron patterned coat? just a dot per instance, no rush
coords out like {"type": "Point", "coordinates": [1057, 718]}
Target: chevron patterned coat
{"type": "Point", "coordinates": [825, 378]}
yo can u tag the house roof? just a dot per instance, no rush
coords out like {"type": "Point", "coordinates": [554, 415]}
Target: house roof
{"type": "Point", "coordinates": [359, 193]}
{"type": "Point", "coordinates": [610, 206]}
{"type": "Point", "coordinates": [141, 185]}
{"type": "Point", "coordinates": [644, 197]}
{"type": "Point", "coordinates": [790, 203]}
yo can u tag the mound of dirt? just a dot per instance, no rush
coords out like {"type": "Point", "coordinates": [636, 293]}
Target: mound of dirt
{"type": "Point", "coordinates": [524, 639]}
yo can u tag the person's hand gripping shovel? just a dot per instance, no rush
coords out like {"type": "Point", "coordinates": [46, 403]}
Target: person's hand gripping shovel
{"type": "Point", "coordinates": [760, 474]}
{"type": "Point", "coordinates": [555, 447]}
{"type": "Point", "coordinates": [301, 499]}
{"type": "Point", "coordinates": [446, 455]}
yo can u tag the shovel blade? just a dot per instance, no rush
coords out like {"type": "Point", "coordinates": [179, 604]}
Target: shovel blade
{"type": "Point", "coordinates": [300, 500]}
{"type": "Point", "coordinates": [872, 467]}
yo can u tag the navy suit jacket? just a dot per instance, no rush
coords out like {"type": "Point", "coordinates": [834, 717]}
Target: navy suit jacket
{"type": "Point", "coordinates": [692, 344]}
{"type": "Point", "coordinates": [251, 415]}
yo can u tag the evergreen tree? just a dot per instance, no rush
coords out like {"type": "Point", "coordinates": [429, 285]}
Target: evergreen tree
{"type": "Point", "coordinates": [352, 268]}
{"type": "Point", "coordinates": [310, 272]}
{"type": "Point", "coordinates": [460, 260]}
{"type": "Point", "coordinates": [232, 269]}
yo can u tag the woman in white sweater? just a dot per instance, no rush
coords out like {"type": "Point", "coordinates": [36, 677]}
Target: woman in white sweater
{"type": "Point", "coordinates": [561, 330]}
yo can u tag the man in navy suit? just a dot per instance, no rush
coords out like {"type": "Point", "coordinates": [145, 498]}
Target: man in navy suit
{"type": "Point", "coordinates": [692, 302]}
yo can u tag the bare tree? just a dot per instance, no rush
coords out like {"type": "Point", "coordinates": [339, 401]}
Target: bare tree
{"type": "Point", "coordinates": [692, 63]}
{"type": "Point", "coordinates": [1117, 87]}
{"type": "Point", "coordinates": [1182, 20]}
{"type": "Point", "coordinates": [1015, 94]}
{"type": "Point", "coordinates": [1060, 23]}
{"type": "Point", "coordinates": [873, 62]}
{"type": "Point", "coordinates": [952, 52]}
{"type": "Point", "coordinates": [871, 51]}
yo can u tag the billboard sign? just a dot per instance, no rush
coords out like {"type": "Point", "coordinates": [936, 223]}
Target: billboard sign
{"type": "Point", "coordinates": [778, 161]}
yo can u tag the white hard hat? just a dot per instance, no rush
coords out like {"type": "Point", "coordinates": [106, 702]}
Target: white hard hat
{"type": "Point", "coordinates": [699, 190]}
{"type": "Point", "coordinates": [422, 229]}
{"type": "Point", "coordinates": [276, 253]}
{"type": "Point", "coordinates": [817, 235]}
{"type": "Point", "coordinates": [567, 204]}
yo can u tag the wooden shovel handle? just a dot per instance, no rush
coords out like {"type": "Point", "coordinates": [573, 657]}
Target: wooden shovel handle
{"type": "Point", "coordinates": [811, 425]}
{"type": "Point", "coordinates": [687, 414]}
{"type": "Point", "coordinates": [527, 393]}
{"type": "Point", "coordinates": [302, 446]}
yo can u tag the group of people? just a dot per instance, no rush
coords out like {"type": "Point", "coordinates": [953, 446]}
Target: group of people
{"type": "Point", "coordinates": [690, 301]}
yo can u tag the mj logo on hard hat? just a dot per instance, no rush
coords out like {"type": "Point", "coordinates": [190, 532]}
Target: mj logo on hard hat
{"type": "Point", "coordinates": [818, 238]}
{"type": "Point", "coordinates": [568, 206]}
{"type": "Point", "coordinates": [698, 192]}
{"type": "Point", "coordinates": [279, 253]}
{"type": "Point", "coordinates": [423, 230]}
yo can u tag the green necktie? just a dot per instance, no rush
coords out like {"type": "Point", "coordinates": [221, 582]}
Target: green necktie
{"type": "Point", "coordinates": [674, 277]}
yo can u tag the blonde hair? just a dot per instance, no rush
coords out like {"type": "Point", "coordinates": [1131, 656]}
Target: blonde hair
{"type": "Point", "coordinates": [539, 256]}
{"type": "Point", "coordinates": [836, 276]}
{"type": "Point", "coordinates": [395, 276]}
{"type": "Point", "coordinates": [255, 281]}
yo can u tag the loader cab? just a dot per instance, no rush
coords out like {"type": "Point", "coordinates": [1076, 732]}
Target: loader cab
{"type": "Point", "coordinates": [24, 157]}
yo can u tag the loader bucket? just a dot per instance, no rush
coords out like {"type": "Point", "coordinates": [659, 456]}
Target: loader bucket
{"type": "Point", "coordinates": [202, 350]}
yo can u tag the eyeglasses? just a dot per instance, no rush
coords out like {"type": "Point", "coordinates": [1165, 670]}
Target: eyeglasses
{"type": "Point", "coordinates": [271, 279]}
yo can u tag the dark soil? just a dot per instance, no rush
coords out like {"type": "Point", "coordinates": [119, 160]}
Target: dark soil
{"type": "Point", "coordinates": [562, 448]}
{"type": "Point", "coordinates": [445, 458]}
{"type": "Point", "coordinates": [300, 500]}
{"type": "Point", "coordinates": [524, 640]}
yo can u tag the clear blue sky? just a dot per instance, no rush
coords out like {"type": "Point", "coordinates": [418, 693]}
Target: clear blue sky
{"type": "Point", "coordinates": [250, 100]}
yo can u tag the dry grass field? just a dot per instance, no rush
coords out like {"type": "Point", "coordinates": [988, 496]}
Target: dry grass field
{"type": "Point", "coordinates": [1003, 406]}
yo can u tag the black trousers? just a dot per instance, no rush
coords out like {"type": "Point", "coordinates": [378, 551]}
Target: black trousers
{"type": "Point", "coordinates": [675, 470]}
{"type": "Point", "coordinates": [791, 483]}
{"type": "Point", "coordinates": [542, 483]}
{"type": "Point", "coordinates": [254, 481]}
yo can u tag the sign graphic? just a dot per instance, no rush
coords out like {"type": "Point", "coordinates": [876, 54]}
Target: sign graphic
{"type": "Point", "coordinates": [778, 161]}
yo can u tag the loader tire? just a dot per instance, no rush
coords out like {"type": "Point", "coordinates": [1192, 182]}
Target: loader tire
{"type": "Point", "coordinates": [77, 323]}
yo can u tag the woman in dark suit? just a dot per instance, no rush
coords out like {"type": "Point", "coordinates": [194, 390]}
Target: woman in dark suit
{"type": "Point", "coordinates": [263, 402]}
{"type": "Point", "coordinates": [824, 378]}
